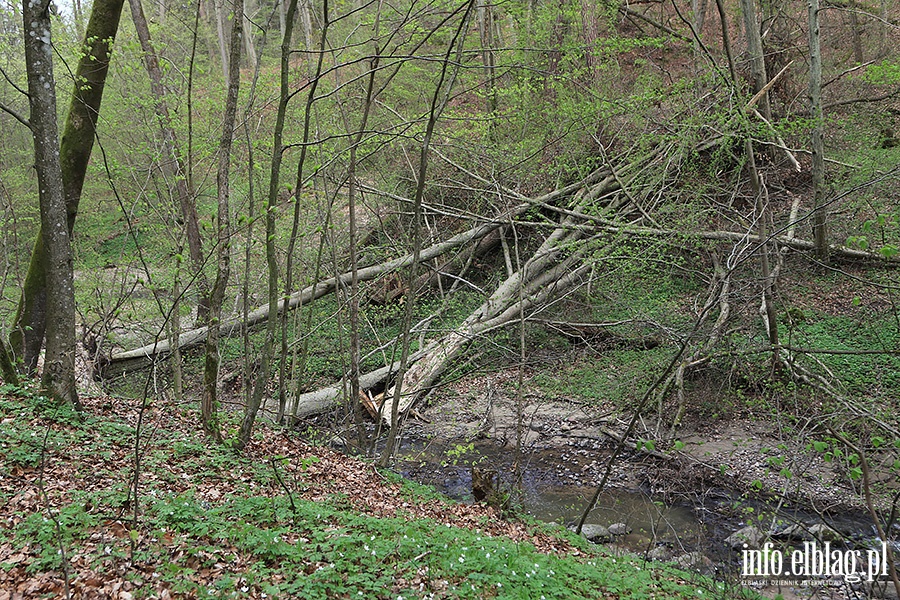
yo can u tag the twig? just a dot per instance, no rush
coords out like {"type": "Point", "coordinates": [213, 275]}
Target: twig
{"type": "Point", "coordinates": [887, 96]}
{"type": "Point", "coordinates": [758, 96]}
{"type": "Point", "coordinates": [11, 111]}
{"type": "Point", "coordinates": [847, 72]}
{"type": "Point", "coordinates": [53, 517]}
{"type": "Point", "coordinates": [864, 464]}
{"type": "Point", "coordinates": [283, 486]}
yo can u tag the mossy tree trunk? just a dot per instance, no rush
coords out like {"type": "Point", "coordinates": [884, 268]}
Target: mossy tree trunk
{"type": "Point", "coordinates": [29, 325]}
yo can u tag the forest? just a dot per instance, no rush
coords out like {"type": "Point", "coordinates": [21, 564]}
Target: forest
{"type": "Point", "coordinates": [259, 258]}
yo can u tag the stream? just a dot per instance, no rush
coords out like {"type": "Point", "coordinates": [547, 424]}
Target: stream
{"type": "Point", "coordinates": [558, 482]}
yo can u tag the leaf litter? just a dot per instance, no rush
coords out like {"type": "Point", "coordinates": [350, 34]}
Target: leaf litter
{"type": "Point", "coordinates": [85, 473]}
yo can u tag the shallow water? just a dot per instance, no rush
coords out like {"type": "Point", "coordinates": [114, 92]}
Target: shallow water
{"type": "Point", "coordinates": [552, 491]}
{"type": "Point", "coordinates": [549, 495]}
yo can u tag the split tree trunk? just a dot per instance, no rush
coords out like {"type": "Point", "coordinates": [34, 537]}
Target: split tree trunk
{"type": "Point", "coordinates": [27, 334]}
{"type": "Point", "coordinates": [540, 277]}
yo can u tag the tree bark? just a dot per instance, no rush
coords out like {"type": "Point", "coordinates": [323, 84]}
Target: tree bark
{"type": "Point", "coordinates": [820, 233]}
{"type": "Point", "coordinates": [59, 361]}
{"type": "Point", "coordinates": [209, 400]}
{"type": "Point", "coordinates": [295, 225]}
{"type": "Point", "coordinates": [174, 166]}
{"type": "Point", "coordinates": [538, 278]}
{"type": "Point", "coordinates": [271, 310]}
{"type": "Point", "coordinates": [27, 334]}
{"type": "Point", "coordinates": [220, 37]}
{"type": "Point", "coordinates": [757, 60]}
{"type": "Point", "coordinates": [247, 10]}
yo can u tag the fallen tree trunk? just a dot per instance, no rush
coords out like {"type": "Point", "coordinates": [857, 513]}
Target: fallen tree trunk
{"type": "Point", "coordinates": [123, 362]}
{"type": "Point", "coordinates": [126, 361]}
{"type": "Point", "coordinates": [547, 272]}
{"type": "Point", "coordinates": [439, 354]}
{"type": "Point", "coordinates": [321, 400]}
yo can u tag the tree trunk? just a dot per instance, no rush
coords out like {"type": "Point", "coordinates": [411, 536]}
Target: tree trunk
{"type": "Point", "coordinates": [538, 279]}
{"type": "Point", "coordinates": [271, 310]}
{"type": "Point", "coordinates": [27, 334]}
{"type": "Point", "coordinates": [698, 14]}
{"type": "Point", "coordinates": [209, 400]}
{"type": "Point", "coordinates": [220, 36]}
{"type": "Point", "coordinates": [757, 60]}
{"type": "Point", "coordinates": [138, 358]}
{"type": "Point", "coordinates": [439, 100]}
{"type": "Point", "coordinates": [820, 234]}
{"type": "Point", "coordinates": [248, 34]}
{"type": "Point", "coordinates": [857, 36]}
{"type": "Point", "coordinates": [59, 361]}
{"type": "Point", "coordinates": [174, 163]}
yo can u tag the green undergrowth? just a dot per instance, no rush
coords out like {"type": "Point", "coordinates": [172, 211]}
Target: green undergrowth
{"type": "Point", "coordinates": [214, 524]}
{"type": "Point", "coordinates": [616, 376]}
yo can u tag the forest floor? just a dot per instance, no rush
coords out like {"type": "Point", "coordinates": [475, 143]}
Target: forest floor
{"type": "Point", "coordinates": [285, 519]}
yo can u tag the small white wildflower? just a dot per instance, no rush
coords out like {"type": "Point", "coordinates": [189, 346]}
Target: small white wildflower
{"type": "Point", "coordinates": [462, 559]}
{"type": "Point", "coordinates": [245, 589]}
{"type": "Point", "coordinates": [488, 555]}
